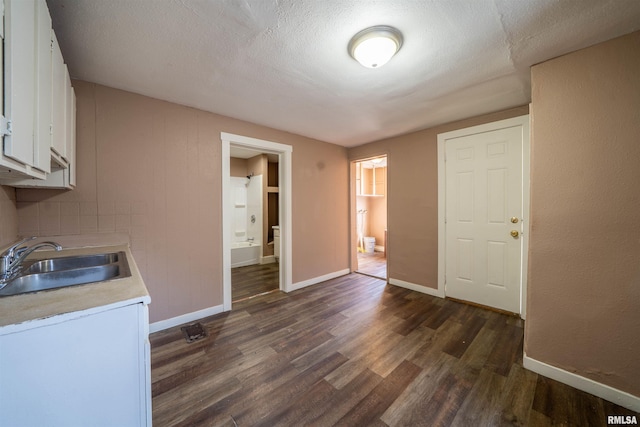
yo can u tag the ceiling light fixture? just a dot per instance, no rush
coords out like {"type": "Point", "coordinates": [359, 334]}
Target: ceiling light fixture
{"type": "Point", "coordinates": [375, 46]}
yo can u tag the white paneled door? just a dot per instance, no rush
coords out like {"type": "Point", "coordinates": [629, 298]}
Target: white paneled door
{"type": "Point", "coordinates": [483, 217]}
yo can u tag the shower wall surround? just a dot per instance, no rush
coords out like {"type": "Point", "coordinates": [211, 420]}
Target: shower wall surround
{"type": "Point", "coordinates": [246, 199]}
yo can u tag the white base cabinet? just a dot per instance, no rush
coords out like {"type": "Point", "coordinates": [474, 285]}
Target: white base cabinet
{"type": "Point", "coordinates": [79, 369]}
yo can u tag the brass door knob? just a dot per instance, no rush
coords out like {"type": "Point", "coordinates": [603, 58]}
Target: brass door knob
{"type": "Point", "coordinates": [514, 219]}
{"type": "Point", "coordinates": [514, 233]}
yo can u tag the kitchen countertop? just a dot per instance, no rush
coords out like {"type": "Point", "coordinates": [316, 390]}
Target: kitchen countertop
{"type": "Point", "coordinates": [17, 311]}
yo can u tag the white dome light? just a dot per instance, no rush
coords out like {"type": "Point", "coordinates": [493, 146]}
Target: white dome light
{"type": "Point", "coordinates": [375, 46]}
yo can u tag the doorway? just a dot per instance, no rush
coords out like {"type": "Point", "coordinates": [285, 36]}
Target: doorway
{"type": "Point", "coordinates": [235, 203]}
{"type": "Point", "coordinates": [370, 178]}
{"type": "Point", "coordinates": [483, 213]}
{"type": "Point", "coordinates": [255, 216]}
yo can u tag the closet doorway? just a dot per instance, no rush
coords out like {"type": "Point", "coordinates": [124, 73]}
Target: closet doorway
{"type": "Point", "coordinates": [370, 178]}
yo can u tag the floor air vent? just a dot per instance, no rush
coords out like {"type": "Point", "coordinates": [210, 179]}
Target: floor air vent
{"type": "Point", "coordinates": [194, 332]}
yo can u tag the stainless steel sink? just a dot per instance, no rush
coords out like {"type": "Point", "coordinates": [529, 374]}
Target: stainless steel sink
{"type": "Point", "coordinates": [73, 262]}
{"type": "Point", "coordinates": [57, 273]}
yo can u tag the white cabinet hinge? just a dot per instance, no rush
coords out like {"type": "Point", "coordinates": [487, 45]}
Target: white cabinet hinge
{"type": "Point", "coordinates": [5, 126]}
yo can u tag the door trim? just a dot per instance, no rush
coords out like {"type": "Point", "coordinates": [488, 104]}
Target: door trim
{"type": "Point", "coordinates": [284, 171]}
{"type": "Point", "coordinates": [353, 220]}
{"type": "Point", "coordinates": [523, 123]}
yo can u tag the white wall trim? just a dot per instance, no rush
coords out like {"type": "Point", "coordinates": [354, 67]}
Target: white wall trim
{"type": "Point", "coordinates": [184, 318]}
{"type": "Point", "coordinates": [603, 391]}
{"type": "Point", "coordinates": [524, 123]}
{"type": "Point", "coordinates": [269, 259]}
{"type": "Point", "coordinates": [284, 171]}
{"type": "Point", "coordinates": [315, 280]}
{"type": "Point", "coordinates": [416, 287]}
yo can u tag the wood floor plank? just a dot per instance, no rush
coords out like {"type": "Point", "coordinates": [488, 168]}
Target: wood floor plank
{"type": "Point", "coordinates": [344, 399]}
{"type": "Point", "coordinates": [357, 351]}
{"type": "Point", "coordinates": [283, 396]}
{"type": "Point", "coordinates": [404, 349]}
{"type": "Point", "coordinates": [374, 264]}
{"type": "Point", "coordinates": [257, 385]}
{"type": "Point", "coordinates": [419, 311]}
{"type": "Point", "coordinates": [505, 352]}
{"type": "Point", "coordinates": [194, 368]}
{"type": "Point", "coordinates": [438, 317]}
{"type": "Point", "coordinates": [254, 279]}
{"type": "Point", "coordinates": [477, 409]}
{"type": "Point", "coordinates": [369, 409]}
{"type": "Point", "coordinates": [516, 398]}
{"type": "Point", "coordinates": [431, 350]}
{"type": "Point", "coordinates": [302, 407]}
{"type": "Point", "coordinates": [459, 344]}
{"type": "Point", "coordinates": [475, 357]}
{"type": "Point", "coordinates": [406, 410]}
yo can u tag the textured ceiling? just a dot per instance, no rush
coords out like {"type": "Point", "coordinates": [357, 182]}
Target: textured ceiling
{"type": "Point", "coordinates": [284, 63]}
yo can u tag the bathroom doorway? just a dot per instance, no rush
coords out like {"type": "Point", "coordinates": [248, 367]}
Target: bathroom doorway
{"type": "Point", "coordinates": [254, 223]}
{"type": "Point", "coordinates": [259, 150]}
{"type": "Point", "coordinates": [370, 179]}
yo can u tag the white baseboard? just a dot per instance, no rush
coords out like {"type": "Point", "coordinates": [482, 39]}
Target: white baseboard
{"type": "Point", "coordinates": [417, 288]}
{"type": "Point", "coordinates": [585, 384]}
{"type": "Point", "coordinates": [314, 280]}
{"type": "Point", "coordinates": [379, 248]}
{"type": "Point", "coordinates": [185, 318]}
{"type": "Point", "coordinates": [245, 263]}
{"type": "Point", "coordinates": [269, 259]}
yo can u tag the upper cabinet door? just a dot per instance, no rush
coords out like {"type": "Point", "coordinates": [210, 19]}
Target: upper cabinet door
{"type": "Point", "coordinates": [44, 69]}
{"type": "Point", "coordinates": [59, 144]}
{"type": "Point", "coordinates": [20, 93]}
{"type": "Point", "coordinates": [71, 131]}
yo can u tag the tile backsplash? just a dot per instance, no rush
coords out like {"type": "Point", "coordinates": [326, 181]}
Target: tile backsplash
{"type": "Point", "coordinates": [8, 216]}
{"type": "Point", "coordinates": [47, 218]}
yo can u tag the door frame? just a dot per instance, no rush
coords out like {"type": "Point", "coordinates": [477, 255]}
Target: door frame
{"type": "Point", "coordinates": [524, 124]}
{"type": "Point", "coordinates": [353, 216]}
{"type": "Point", "coordinates": [284, 153]}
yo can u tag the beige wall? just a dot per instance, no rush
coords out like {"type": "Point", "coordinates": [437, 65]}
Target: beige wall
{"type": "Point", "coordinates": [412, 197]}
{"type": "Point", "coordinates": [584, 263]}
{"type": "Point", "coordinates": [238, 167]}
{"type": "Point", "coordinates": [152, 169]}
{"type": "Point", "coordinates": [8, 216]}
{"type": "Point", "coordinates": [378, 209]}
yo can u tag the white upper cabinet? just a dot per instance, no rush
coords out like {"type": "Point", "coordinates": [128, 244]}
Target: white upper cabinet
{"type": "Point", "coordinates": [71, 135]}
{"type": "Point", "coordinates": [43, 106]}
{"type": "Point", "coordinates": [39, 102]}
{"type": "Point", "coordinates": [19, 79]}
{"type": "Point", "coordinates": [59, 146]}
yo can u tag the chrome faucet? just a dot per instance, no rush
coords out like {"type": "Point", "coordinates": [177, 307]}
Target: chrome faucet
{"type": "Point", "coordinates": [11, 259]}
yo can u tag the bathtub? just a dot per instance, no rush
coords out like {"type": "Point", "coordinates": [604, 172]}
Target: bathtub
{"type": "Point", "coordinates": [245, 253]}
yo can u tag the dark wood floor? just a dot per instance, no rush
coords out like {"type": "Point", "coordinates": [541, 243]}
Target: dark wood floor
{"type": "Point", "coordinates": [252, 280]}
{"type": "Point", "coordinates": [355, 351]}
{"type": "Point", "coordinates": [374, 264]}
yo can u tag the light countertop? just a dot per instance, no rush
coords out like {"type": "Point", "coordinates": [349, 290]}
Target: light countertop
{"type": "Point", "coordinates": [17, 311]}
